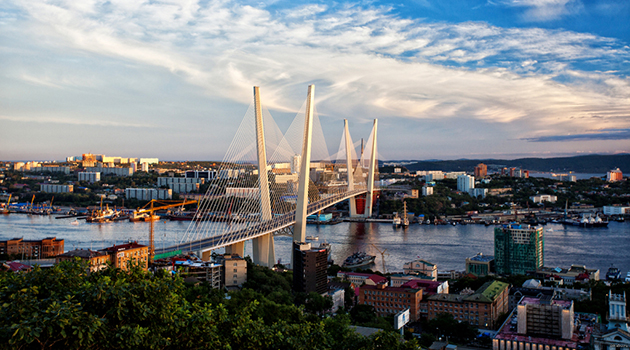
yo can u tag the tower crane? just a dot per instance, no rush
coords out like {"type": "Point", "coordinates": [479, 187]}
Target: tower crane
{"type": "Point", "coordinates": [150, 208]}
{"type": "Point", "coordinates": [382, 257]}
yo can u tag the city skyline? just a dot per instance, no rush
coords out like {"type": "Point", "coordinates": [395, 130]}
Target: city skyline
{"type": "Point", "coordinates": [446, 79]}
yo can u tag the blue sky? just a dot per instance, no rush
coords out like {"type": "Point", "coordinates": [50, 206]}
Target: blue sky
{"type": "Point", "coordinates": [446, 79]}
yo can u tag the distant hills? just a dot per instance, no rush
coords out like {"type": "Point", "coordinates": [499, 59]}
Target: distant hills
{"type": "Point", "coordinates": [577, 164]}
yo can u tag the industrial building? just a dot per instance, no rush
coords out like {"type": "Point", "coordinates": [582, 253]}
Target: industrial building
{"type": "Point", "coordinates": [309, 268]}
{"type": "Point", "coordinates": [90, 177]}
{"type": "Point", "coordinates": [50, 188]}
{"type": "Point", "coordinates": [147, 194]}
{"type": "Point", "coordinates": [616, 210]}
{"type": "Point", "coordinates": [45, 248]}
{"type": "Point", "coordinates": [518, 249]}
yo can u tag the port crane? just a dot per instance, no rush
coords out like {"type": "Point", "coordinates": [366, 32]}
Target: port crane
{"type": "Point", "coordinates": [6, 207]}
{"type": "Point", "coordinates": [153, 206]}
{"type": "Point", "coordinates": [382, 257]}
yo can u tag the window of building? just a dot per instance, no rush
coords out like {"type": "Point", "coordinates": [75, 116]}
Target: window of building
{"type": "Point", "coordinates": [235, 276]}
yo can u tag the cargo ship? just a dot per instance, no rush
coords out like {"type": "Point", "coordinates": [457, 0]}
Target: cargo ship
{"type": "Point", "coordinates": [359, 259]}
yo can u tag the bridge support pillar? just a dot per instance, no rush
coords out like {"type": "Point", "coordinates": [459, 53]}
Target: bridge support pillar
{"type": "Point", "coordinates": [352, 203]}
{"type": "Point", "coordinates": [299, 228]}
{"type": "Point", "coordinates": [371, 170]}
{"type": "Point", "coordinates": [263, 250]}
{"type": "Point", "coordinates": [236, 248]}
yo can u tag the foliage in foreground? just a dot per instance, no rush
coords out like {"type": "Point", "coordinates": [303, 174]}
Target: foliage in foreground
{"type": "Point", "coordinates": [66, 308]}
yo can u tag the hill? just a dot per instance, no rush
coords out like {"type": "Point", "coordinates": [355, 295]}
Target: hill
{"type": "Point", "coordinates": [578, 164]}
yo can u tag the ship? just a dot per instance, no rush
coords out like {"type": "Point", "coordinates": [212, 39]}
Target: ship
{"type": "Point", "coordinates": [405, 219]}
{"type": "Point", "coordinates": [613, 274]}
{"type": "Point", "coordinates": [102, 215]}
{"type": "Point", "coordinates": [396, 221]}
{"type": "Point", "coordinates": [359, 259]}
{"type": "Point", "coordinates": [142, 217]}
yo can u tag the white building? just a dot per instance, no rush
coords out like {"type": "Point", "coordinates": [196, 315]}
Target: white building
{"type": "Point", "coordinates": [455, 175]}
{"type": "Point", "coordinates": [51, 169]}
{"type": "Point", "coordinates": [148, 160]}
{"type": "Point", "coordinates": [539, 198]}
{"type": "Point", "coordinates": [614, 210]}
{"type": "Point", "coordinates": [465, 182]}
{"type": "Point", "coordinates": [296, 161]}
{"type": "Point", "coordinates": [89, 176]}
{"type": "Point", "coordinates": [144, 167]}
{"type": "Point", "coordinates": [148, 194]}
{"type": "Point", "coordinates": [476, 192]}
{"type": "Point", "coordinates": [427, 190]}
{"type": "Point", "coordinates": [110, 171]}
{"type": "Point", "coordinates": [56, 188]}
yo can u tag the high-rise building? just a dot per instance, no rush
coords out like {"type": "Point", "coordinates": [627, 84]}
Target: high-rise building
{"type": "Point", "coordinates": [465, 183]}
{"type": "Point", "coordinates": [614, 175]}
{"type": "Point", "coordinates": [296, 161]}
{"type": "Point", "coordinates": [481, 170]}
{"type": "Point", "coordinates": [518, 249]}
{"type": "Point", "coordinates": [309, 268]}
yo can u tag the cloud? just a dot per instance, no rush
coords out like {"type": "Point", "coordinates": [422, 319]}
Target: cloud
{"type": "Point", "coordinates": [74, 121]}
{"type": "Point", "coordinates": [600, 135]}
{"type": "Point", "coordinates": [367, 61]}
{"type": "Point", "coordinates": [545, 10]}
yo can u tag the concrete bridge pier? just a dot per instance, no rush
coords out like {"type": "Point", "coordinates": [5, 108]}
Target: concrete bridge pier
{"type": "Point", "coordinates": [236, 248]}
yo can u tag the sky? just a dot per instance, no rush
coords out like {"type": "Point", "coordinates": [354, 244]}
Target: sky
{"type": "Point", "coordinates": [447, 79]}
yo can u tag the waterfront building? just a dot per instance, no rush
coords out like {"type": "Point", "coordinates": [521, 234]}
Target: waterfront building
{"type": "Point", "coordinates": [518, 249]}
{"type": "Point", "coordinates": [576, 273]}
{"type": "Point", "coordinates": [614, 175]}
{"type": "Point", "coordinates": [616, 210]}
{"type": "Point", "coordinates": [481, 309]}
{"type": "Point", "coordinates": [309, 268]}
{"type": "Point", "coordinates": [391, 300]}
{"type": "Point", "coordinates": [147, 194]}
{"type": "Point", "coordinates": [481, 170]}
{"type": "Point", "coordinates": [480, 265]}
{"type": "Point", "coordinates": [422, 267]}
{"type": "Point", "coordinates": [124, 256]}
{"type": "Point", "coordinates": [96, 260]}
{"type": "Point", "coordinates": [539, 198]}
{"type": "Point", "coordinates": [465, 183]}
{"type": "Point", "coordinates": [90, 177]}
{"type": "Point", "coordinates": [45, 248]}
{"type": "Point", "coordinates": [50, 188]}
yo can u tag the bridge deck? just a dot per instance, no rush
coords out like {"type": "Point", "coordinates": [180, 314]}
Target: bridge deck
{"type": "Point", "coordinates": [258, 229]}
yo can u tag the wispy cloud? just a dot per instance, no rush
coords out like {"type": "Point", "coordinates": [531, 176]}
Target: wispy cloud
{"type": "Point", "coordinates": [605, 135]}
{"type": "Point", "coordinates": [42, 120]}
{"type": "Point", "coordinates": [545, 10]}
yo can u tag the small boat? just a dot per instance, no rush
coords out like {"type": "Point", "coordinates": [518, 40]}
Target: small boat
{"type": "Point", "coordinates": [358, 259]}
{"type": "Point", "coordinates": [613, 274]}
{"type": "Point", "coordinates": [312, 238]}
{"type": "Point", "coordinates": [75, 222]}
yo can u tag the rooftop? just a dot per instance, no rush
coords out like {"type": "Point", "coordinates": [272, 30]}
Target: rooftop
{"type": "Point", "coordinates": [121, 247]}
{"type": "Point", "coordinates": [482, 258]}
{"type": "Point", "coordinates": [83, 253]}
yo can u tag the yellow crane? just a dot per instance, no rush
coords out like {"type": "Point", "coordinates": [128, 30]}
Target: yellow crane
{"type": "Point", "coordinates": [150, 208]}
{"type": "Point", "coordinates": [6, 207]}
{"type": "Point", "coordinates": [382, 257]}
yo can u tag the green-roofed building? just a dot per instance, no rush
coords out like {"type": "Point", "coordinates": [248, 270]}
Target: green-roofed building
{"type": "Point", "coordinates": [481, 308]}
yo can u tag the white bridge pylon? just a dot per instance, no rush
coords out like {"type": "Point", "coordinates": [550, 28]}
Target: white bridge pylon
{"type": "Point", "coordinates": [251, 195]}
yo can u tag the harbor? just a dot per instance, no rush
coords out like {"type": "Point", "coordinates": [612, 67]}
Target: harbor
{"type": "Point", "coordinates": [445, 245]}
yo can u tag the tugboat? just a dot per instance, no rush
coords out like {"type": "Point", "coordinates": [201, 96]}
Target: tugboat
{"type": "Point", "coordinates": [358, 259]}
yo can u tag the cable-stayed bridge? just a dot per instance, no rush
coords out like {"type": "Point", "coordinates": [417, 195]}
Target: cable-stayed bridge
{"type": "Point", "coordinates": [252, 195]}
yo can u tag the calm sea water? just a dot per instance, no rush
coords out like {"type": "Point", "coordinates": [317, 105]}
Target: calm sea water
{"type": "Point", "coordinates": [447, 246]}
